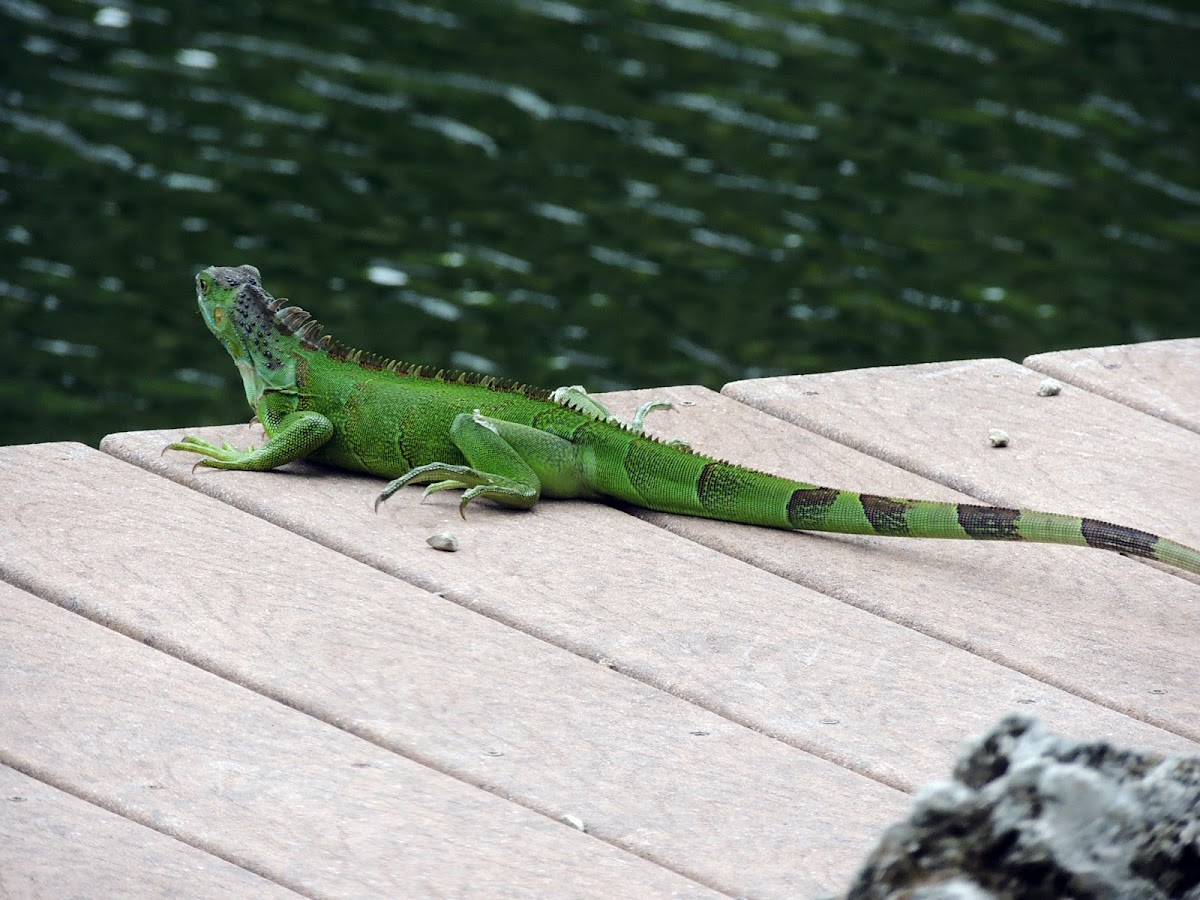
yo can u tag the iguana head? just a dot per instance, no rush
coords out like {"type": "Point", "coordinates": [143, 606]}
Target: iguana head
{"type": "Point", "coordinates": [242, 316]}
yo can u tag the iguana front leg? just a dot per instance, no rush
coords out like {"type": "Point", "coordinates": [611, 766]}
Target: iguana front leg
{"type": "Point", "coordinates": [497, 451]}
{"type": "Point", "coordinates": [297, 435]}
{"type": "Point", "coordinates": [578, 397]}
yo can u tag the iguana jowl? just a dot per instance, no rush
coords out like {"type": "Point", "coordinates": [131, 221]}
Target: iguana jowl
{"type": "Point", "coordinates": [320, 400]}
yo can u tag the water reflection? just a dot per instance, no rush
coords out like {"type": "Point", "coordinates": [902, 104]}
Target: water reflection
{"type": "Point", "coordinates": [659, 191]}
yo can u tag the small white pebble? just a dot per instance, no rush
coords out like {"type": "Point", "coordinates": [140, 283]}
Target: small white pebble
{"type": "Point", "coordinates": [1049, 388]}
{"type": "Point", "coordinates": [574, 822]}
{"type": "Point", "coordinates": [997, 437]}
{"type": "Point", "coordinates": [443, 540]}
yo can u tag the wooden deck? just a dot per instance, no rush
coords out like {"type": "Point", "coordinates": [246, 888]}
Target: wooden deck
{"type": "Point", "coordinates": [237, 684]}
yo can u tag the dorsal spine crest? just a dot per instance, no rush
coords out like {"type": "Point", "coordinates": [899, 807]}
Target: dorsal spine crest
{"type": "Point", "coordinates": [298, 323]}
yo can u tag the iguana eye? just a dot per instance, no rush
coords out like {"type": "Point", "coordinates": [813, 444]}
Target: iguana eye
{"type": "Point", "coordinates": [201, 284]}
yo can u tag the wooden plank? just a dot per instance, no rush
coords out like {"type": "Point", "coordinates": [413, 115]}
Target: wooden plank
{"type": "Point", "coordinates": [1112, 629]}
{"type": "Point", "coordinates": [432, 680]}
{"type": "Point", "coordinates": [871, 695]}
{"type": "Point", "coordinates": [1161, 378]}
{"type": "Point", "coordinates": [53, 844]}
{"type": "Point", "coordinates": [267, 787]}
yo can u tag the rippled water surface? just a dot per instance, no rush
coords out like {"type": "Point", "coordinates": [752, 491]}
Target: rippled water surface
{"type": "Point", "coordinates": [618, 194]}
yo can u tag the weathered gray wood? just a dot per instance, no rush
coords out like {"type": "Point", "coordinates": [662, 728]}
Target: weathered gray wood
{"type": "Point", "coordinates": [1105, 627]}
{"type": "Point", "coordinates": [53, 844]}
{"type": "Point", "coordinates": [1090, 622]}
{"type": "Point", "coordinates": [266, 787]}
{"type": "Point", "coordinates": [868, 694]}
{"type": "Point", "coordinates": [1161, 378]}
{"type": "Point", "coordinates": [430, 679]}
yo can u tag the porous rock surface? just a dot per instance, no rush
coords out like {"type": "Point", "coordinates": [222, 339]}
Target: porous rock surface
{"type": "Point", "coordinates": [1033, 815]}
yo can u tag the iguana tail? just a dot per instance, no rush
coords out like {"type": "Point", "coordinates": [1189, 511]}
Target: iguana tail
{"type": "Point", "coordinates": [670, 480]}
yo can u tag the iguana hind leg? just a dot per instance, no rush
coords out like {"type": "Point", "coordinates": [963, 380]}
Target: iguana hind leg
{"type": "Point", "coordinates": [496, 471]}
{"type": "Point", "coordinates": [578, 397]}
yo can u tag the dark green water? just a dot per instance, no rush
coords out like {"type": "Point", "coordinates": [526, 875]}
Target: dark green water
{"type": "Point", "coordinates": [617, 194]}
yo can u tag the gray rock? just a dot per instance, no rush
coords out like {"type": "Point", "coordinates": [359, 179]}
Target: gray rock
{"type": "Point", "coordinates": [1033, 815]}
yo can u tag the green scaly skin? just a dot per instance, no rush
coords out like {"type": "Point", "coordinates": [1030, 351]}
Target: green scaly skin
{"type": "Point", "coordinates": [512, 444]}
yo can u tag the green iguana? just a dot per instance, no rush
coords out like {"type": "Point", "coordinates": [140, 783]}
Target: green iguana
{"type": "Point", "coordinates": [320, 400]}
